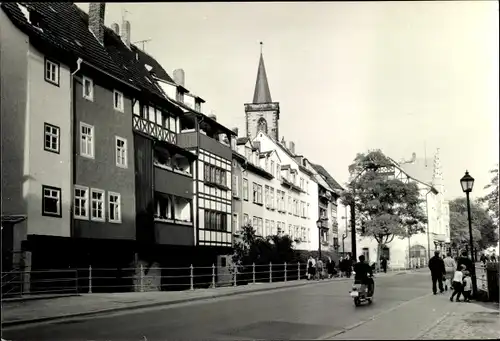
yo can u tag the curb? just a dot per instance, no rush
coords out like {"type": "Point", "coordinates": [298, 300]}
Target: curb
{"type": "Point", "coordinates": [35, 298]}
{"type": "Point", "coordinates": [8, 324]}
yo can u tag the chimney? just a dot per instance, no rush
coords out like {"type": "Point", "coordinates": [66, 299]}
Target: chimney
{"type": "Point", "coordinates": [213, 117]}
{"type": "Point", "coordinates": [413, 157]}
{"type": "Point", "coordinates": [96, 20]}
{"type": "Point", "coordinates": [179, 77]}
{"type": "Point", "coordinates": [126, 32]}
{"type": "Point", "coordinates": [291, 147]}
{"type": "Point", "coordinates": [235, 130]}
{"type": "Point", "coordinates": [283, 141]}
{"type": "Point", "coordinates": [115, 28]}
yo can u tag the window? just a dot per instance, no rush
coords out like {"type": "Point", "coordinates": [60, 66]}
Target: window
{"type": "Point", "coordinates": [271, 195]}
{"type": "Point", "coordinates": [51, 204]}
{"type": "Point", "coordinates": [268, 226]}
{"type": "Point", "coordinates": [180, 96]}
{"type": "Point", "coordinates": [278, 228]}
{"type": "Point", "coordinates": [114, 207]}
{"type": "Point", "coordinates": [86, 140]}
{"type": "Point", "coordinates": [52, 72]}
{"type": "Point", "coordinates": [81, 204]}
{"type": "Point", "coordinates": [302, 183]}
{"type": "Point", "coordinates": [278, 171]}
{"type": "Point", "coordinates": [121, 152]}
{"type": "Point", "coordinates": [245, 189]}
{"type": "Point", "coordinates": [303, 208]}
{"type": "Point", "coordinates": [307, 187]}
{"type": "Point", "coordinates": [290, 230]}
{"type": "Point", "coordinates": [273, 231]}
{"type": "Point", "coordinates": [267, 197]}
{"type": "Point", "coordinates": [52, 141]}
{"type": "Point", "coordinates": [257, 193]}
{"type": "Point", "coordinates": [236, 191]}
{"type": "Point", "coordinates": [88, 88]}
{"type": "Point", "coordinates": [214, 175]}
{"type": "Point", "coordinates": [272, 167]}
{"type": "Point", "coordinates": [307, 211]}
{"type": "Point", "coordinates": [215, 220]}
{"type": "Point", "coordinates": [97, 204]}
{"type": "Point", "coordinates": [290, 208]}
{"type": "Point", "coordinates": [197, 106]}
{"type": "Point", "coordinates": [246, 219]}
{"type": "Point", "coordinates": [118, 100]}
{"type": "Point", "coordinates": [236, 222]}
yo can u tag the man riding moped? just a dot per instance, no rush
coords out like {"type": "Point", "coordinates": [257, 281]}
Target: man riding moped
{"type": "Point", "coordinates": [364, 275]}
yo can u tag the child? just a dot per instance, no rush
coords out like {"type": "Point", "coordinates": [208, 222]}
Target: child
{"type": "Point", "coordinates": [467, 286]}
{"type": "Point", "coordinates": [457, 283]}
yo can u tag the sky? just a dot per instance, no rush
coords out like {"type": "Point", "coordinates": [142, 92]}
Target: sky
{"type": "Point", "coordinates": [402, 77]}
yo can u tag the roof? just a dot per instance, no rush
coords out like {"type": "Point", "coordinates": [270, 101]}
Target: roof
{"type": "Point", "coordinates": [421, 169]}
{"type": "Point", "coordinates": [157, 69]}
{"type": "Point", "coordinates": [64, 27]}
{"type": "Point", "coordinates": [261, 93]}
{"type": "Point", "coordinates": [242, 140]}
{"type": "Point", "coordinates": [328, 178]}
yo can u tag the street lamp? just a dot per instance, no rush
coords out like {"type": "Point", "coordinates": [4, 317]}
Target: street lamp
{"type": "Point", "coordinates": [467, 183]}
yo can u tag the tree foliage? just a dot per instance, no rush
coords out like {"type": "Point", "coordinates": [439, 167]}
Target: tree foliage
{"type": "Point", "coordinates": [491, 199]}
{"type": "Point", "coordinates": [484, 229]}
{"type": "Point", "coordinates": [259, 250]}
{"type": "Point", "coordinates": [385, 207]}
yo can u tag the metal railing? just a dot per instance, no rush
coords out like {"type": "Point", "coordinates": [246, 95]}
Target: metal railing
{"type": "Point", "coordinates": [143, 278]}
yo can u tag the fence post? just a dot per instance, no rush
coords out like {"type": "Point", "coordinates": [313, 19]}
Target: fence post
{"type": "Point", "coordinates": [235, 271]}
{"type": "Point", "coordinates": [90, 279]}
{"type": "Point", "coordinates": [253, 272]}
{"type": "Point", "coordinates": [213, 275]}
{"type": "Point", "coordinates": [191, 277]}
{"type": "Point", "coordinates": [298, 270]}
{"type": "Point", "coordinates": [141, 279]}
{"type": "Point", "coordinates": [285, 271]}
{"type": "Point", "coordinates": [76, 281]}
{"type": "Point", "coordinates": [270, 272]}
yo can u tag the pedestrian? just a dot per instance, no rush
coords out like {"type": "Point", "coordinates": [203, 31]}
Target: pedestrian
{"type": "Point", "coordinates": [320, 268]}
{"type": "Point", "coordinates": [311, 268]}
{"type": "Point", "coordinates": [465, 260]}
{"type": "Point", "coordinates": [330, 267]}
{"type": "Point", "coordinates": [483, 259]}
{"type": "Point", "coordinates": [348, 266]}
{"type": "Point", "coordinates": [342, 267]}
{"type": "Point", "coordinates": [383, 264]}
{"type": "Point", "coordinates": [436, 265]}
{"type": "Point", "coordinates": [493, 258]}
{"type": "Point", "coordinates": [457, 283]}
{"type": "Point", "coordinates": [467, 286]}
{"type": "Point", "coordinates": [449, 267]}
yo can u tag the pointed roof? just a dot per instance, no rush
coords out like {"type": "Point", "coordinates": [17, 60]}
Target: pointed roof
{"type": "Point", "coordinates": [261, 93]}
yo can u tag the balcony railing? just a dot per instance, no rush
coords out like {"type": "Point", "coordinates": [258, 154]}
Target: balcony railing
{"type": "Point", "coordinates": [144, 126]}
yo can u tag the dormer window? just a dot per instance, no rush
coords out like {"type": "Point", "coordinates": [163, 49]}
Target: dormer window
{"type": "Point", "coordinates": [197, 106]}
{"type": "Point", "coordinates": [88, 89]}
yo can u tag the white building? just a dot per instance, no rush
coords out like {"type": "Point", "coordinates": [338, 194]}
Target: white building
{"type": "Point", "coordinates": [279, 191]}
{"type": "Point", "coordinates": [417, 249]}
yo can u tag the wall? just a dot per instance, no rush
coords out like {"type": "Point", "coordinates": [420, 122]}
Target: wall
{"type": "Point", "coordinates": [267, 111]}
{"type": "Point", "coordinates": [102, 172]}
{"type": "Point", "coordinates": [237, 202]}
{"type": "Point", "coordinates": [14, 49]}
{"type": "Point", "coordinates": [310, 198]}
{"type": "Point", "coordinates": [48, 103]}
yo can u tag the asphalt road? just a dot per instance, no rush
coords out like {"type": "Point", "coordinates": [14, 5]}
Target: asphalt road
{"type": "Point", "coordinates": [308, 312]}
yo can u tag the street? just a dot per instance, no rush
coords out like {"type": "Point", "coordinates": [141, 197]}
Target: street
{"type": "Point", "coordinates": [310, 312]}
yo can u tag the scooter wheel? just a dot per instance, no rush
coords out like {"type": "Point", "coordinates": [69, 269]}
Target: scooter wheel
{"type": "Point", "coordinates": [370, 301]}
{"type": "Point", "coordinates": [357, 302]}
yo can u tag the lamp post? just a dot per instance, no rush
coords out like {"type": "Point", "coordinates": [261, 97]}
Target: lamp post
{"type": "Point", "coordinates": [319, 224]}
{"type": "Point", "coordinates": [467, 183]}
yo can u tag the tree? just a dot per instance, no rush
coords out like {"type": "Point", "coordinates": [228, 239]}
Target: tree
{"type": "Point", "coordinates": [385, 207]}
{"type": "Point", "coordinates": [491, 199]}
{"type": "Point", "coordinates": [484, 229]}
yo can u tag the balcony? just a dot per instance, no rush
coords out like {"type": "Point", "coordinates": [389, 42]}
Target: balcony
{"type": "Point", "coordinates": [173, 170]}
{"type": "Point", "coordinates": [173, 220]}
{"type": "Point", "coordinates": [147, 127]}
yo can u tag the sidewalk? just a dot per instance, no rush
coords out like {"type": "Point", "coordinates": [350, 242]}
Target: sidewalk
{"type": "Point", "coordinates": [16, 313]}
{"type": "Point", "coordinates": [428, 317]}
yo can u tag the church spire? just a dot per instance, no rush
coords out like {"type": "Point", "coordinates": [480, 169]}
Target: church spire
{"type": "Point", "coordinates": [261, 93]}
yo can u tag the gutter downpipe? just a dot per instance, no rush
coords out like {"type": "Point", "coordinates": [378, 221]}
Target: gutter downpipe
{"type": "Point", "coordinates": [73, 137]}
{"type": "Point", "coordinates": [428, 234]}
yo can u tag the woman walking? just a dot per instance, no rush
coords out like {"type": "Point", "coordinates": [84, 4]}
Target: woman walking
{"type": "Point", "coordinates": [449, 267]}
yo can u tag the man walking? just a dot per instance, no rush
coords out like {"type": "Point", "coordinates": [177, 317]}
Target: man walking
{"type": "Point", "coordinates": [465, 260]}
{"type": "Point", "coordinates": [436, 265]}
{"type": "Point", "coordinates": [383, 264]}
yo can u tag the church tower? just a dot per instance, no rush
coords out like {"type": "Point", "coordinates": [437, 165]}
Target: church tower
{"type": "Point", "coordinates": [262, 114]}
